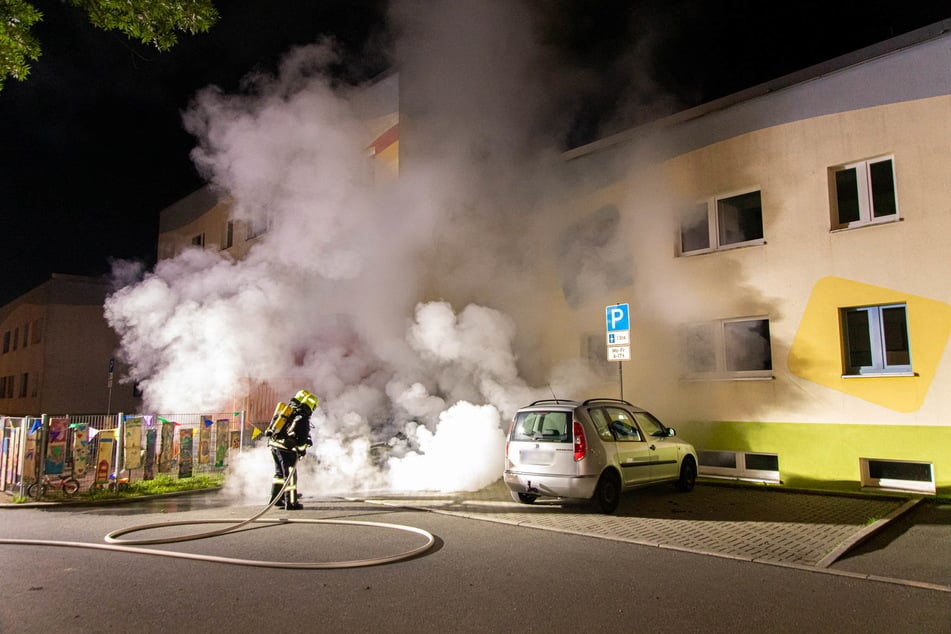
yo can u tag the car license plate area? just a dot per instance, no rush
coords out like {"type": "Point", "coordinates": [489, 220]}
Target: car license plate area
{"type": "Point", "coordinates": [537, 457]}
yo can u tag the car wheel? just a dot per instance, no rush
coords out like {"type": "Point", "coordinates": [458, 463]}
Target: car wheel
{"type": "Point", "coordinates": [688, 475]}
{"type": "Point", "coordinates": [524, 498]}
{"type": "Point", "coordinates": [608, 493]}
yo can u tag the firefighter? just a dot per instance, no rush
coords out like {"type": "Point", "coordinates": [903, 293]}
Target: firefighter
{"type": "Point", "coordinates": [289, 437]}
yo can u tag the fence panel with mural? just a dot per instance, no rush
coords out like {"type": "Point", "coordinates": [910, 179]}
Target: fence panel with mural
{"type": "Point", "coordinates": [110, 451]}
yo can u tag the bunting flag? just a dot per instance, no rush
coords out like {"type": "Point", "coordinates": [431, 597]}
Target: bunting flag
{"type": "Point", "coordinates": [92, 432]}
{"type": "Point", "coordinates": [255, 432]}
{"type": "Point", "coordinates": [162, 420]}
{"type": "Point", "coordinates": [148, 420]}
{"type": "Point", "coordinates": [37, 423]}
{"type": "Point", "coordinates": [208, 422]}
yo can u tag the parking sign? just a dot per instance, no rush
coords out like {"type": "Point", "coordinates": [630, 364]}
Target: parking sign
{"type": "Point", "coordinates": [618, 317]}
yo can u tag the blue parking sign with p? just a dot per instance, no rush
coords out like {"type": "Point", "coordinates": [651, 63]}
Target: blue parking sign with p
{"type": "Point", "coordinates": [618, 317]}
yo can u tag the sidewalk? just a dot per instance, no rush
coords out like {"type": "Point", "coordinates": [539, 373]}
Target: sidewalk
{"type": "Point", "coordinates": [898, 540]}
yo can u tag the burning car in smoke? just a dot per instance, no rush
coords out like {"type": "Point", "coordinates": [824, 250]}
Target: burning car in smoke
{"type": "Point", "coordinates": [594, 450]}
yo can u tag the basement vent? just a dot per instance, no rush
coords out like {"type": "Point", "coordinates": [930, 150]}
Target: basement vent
{"type": "Point", "coordinates": [740, 465]}
{"type": "Point", "coordinates": [898, 475]}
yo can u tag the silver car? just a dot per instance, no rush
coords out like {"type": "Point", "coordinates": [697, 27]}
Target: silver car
{"type": "Point", "coordinates": [593, 450]}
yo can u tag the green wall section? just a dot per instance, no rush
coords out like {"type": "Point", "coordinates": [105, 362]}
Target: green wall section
{"type": "Point", "coordinates": [823, 456]}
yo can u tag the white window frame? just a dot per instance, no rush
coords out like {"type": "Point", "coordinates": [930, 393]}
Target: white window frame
{"type": "Point", "coordinates": [877, 340]}
{"type": "Point", "coordinates": [896, 484]}
{"type": "Point", "coordinates": [866, 200]}
{"type": "Point", "coordinates": [717, 336]}
{"type": "Point", "coordinates": [739, 471]}
{"type": "Point", "coordinates": [712, 205]}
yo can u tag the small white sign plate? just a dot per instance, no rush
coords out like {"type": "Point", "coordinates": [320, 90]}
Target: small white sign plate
{"type": "Point", "coordinates": [619, 338]}
{"type": "Point", "coordinates": [619, 353]}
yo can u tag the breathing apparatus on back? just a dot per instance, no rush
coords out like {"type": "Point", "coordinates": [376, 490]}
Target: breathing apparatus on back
{"type": "Point", "coordinates": [284, 413]}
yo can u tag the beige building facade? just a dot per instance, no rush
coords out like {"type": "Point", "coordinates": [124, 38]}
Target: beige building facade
{"type": "Point", "coordinates": [57, 351]}
{"type": "Point", "coordinates": [785, 260]}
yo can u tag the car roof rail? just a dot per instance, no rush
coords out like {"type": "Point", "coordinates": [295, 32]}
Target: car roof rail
{"type": "Point", "coordinates": [558, 401]}
{"type": "Point", "coordinates": [610, 400]}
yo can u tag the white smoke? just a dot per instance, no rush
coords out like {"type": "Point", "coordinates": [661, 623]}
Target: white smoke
{"type": "Point", "coordinates": [413, 395]}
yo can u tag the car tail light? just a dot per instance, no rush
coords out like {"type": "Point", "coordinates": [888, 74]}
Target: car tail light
{"type": "Point", "coordinates": [581, 443]}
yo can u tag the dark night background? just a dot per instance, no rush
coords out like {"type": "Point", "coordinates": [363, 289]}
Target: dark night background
{"type": "Point", "coordinates": [93, 147]}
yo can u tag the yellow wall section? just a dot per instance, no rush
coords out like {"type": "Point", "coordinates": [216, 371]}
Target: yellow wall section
{"type": "Point", "coordinates": [816, 353]}
{"type": "Point", "coordinates": [828, 456]}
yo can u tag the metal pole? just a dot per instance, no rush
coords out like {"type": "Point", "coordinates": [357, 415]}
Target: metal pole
{"type": "Point", "coordinates": [120, 445]}
{"type": "Point", "coordinates": [21, 453]}
{"type": "Point", "coordinates": [620, 377]}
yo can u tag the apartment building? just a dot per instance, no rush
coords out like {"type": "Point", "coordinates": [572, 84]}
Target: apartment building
{"type": "Point", "coordinates": [58, 352]}
{"type": "Point", "coordinates": [784, 253]}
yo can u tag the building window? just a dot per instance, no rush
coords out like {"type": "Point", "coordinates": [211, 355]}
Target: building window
{"type": "Point", "coordinates": [728, 349]}
{"type": "Point", "coordinates": [902, 475]}
{"type": "Point", "coordinates": [199, 240]}
{"type": "Point", "coordinates": [26, 334]}
{"type": "Point", "coordinates": [593, 257]}
{"type": "Point", "coordinates": [722, 222]}
{"type": "Point", "coordinates": [739, 465]}
{"type": "Point", "coordinates": [24, 380]}
{"type": "Point", "coordinates": [228, 238]}
{"type": "Point", "coordinates": [258, 226]}
{"type": "Point", "coordinates": [863, 193]}
{"type": "Point", "coordinates": [875, 340]}
{"type": "Point", "coordinates": [6, 342]}
{"type": "Point", "coordinates": [16, 338]}
{"type": "Point", "coordinates": [37, 331]}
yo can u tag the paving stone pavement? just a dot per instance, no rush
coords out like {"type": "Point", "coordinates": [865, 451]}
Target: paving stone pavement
{"type": "Point", "coordinates": [792, 528]}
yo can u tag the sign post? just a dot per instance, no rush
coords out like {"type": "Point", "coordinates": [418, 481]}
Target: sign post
{"type": "Point", "coordinates": [618, 321]}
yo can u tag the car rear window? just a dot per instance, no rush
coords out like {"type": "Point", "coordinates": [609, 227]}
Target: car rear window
{"type": "Point", "coordinates": [542, 426]}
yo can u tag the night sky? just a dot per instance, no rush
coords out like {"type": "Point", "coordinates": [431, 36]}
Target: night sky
{"type": "Point", "coordinates": [93, 146]}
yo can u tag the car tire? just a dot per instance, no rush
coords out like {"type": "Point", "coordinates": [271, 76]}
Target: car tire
{"type": "Point", "coordinates": [607, 495]}
{"type": "Point", "coordinates": [688, 475]}
{"type": "Point", "coordinates": [523, 498]}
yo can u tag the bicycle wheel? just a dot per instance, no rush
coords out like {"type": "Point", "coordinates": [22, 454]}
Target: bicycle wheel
{"type": "Point", "coordinates": [70, 486]}
{"type": "Point", "coordinates": [36, 490]}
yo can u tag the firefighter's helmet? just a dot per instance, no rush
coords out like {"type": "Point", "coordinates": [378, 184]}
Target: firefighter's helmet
{"type": "Point", "coordinates": [306, 398]}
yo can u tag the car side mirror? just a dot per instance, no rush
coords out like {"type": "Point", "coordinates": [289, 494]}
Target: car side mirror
{"type": "Point", "coordinates": [671, 431]}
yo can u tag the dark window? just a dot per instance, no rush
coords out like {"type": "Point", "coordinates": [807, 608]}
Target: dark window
{"type": "Point", "coordinates": [761, 462]}
{"type": "Point", "coordinates": [894, 470]}
{"type": "Point", "coordinates": [747, 345]}
{"type": "Point", "coordinates": [864, 192]}
{"type": "Point", "coordinates": [695, 229]}
{"type": "Point", "coordinates": [875, 340]}
{"type": "Point", "coordinates": [740, 219]}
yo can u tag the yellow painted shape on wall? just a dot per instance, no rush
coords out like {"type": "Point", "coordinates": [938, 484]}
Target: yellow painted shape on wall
{"type": "Point", "coordinates": [816, 352]}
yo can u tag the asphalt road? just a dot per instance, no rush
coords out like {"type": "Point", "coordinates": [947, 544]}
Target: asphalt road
{"type": "Point", "coordinates": [479, 576]}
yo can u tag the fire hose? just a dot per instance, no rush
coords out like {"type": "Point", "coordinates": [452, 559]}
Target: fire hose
{"type": "Point", "coordinates": [113, 543]}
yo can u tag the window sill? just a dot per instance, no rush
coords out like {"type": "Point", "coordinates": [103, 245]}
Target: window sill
{"type": "Point", "coordinates": [879, 375]}
{"type": "Point", "coordinates": [864, 225]}
{"type": "Point", "coordinates": [721, 378]}
{"type": "Point", "coordinates": [729, 247]}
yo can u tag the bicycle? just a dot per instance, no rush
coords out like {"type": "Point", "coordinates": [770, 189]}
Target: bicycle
{"type": "Point", "coordinates": [65, 483]}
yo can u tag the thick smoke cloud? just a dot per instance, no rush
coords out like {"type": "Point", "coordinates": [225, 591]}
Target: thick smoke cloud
{"type": "Point", "coordinates": [414, 395]}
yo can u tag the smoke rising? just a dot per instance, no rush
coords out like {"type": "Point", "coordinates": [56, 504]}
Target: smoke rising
{"type": "Point", "coordinates": [414, 395]}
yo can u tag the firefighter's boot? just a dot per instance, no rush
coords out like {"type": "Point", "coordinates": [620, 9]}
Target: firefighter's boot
{"type": "Point", "coordinates": [275, 492]}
